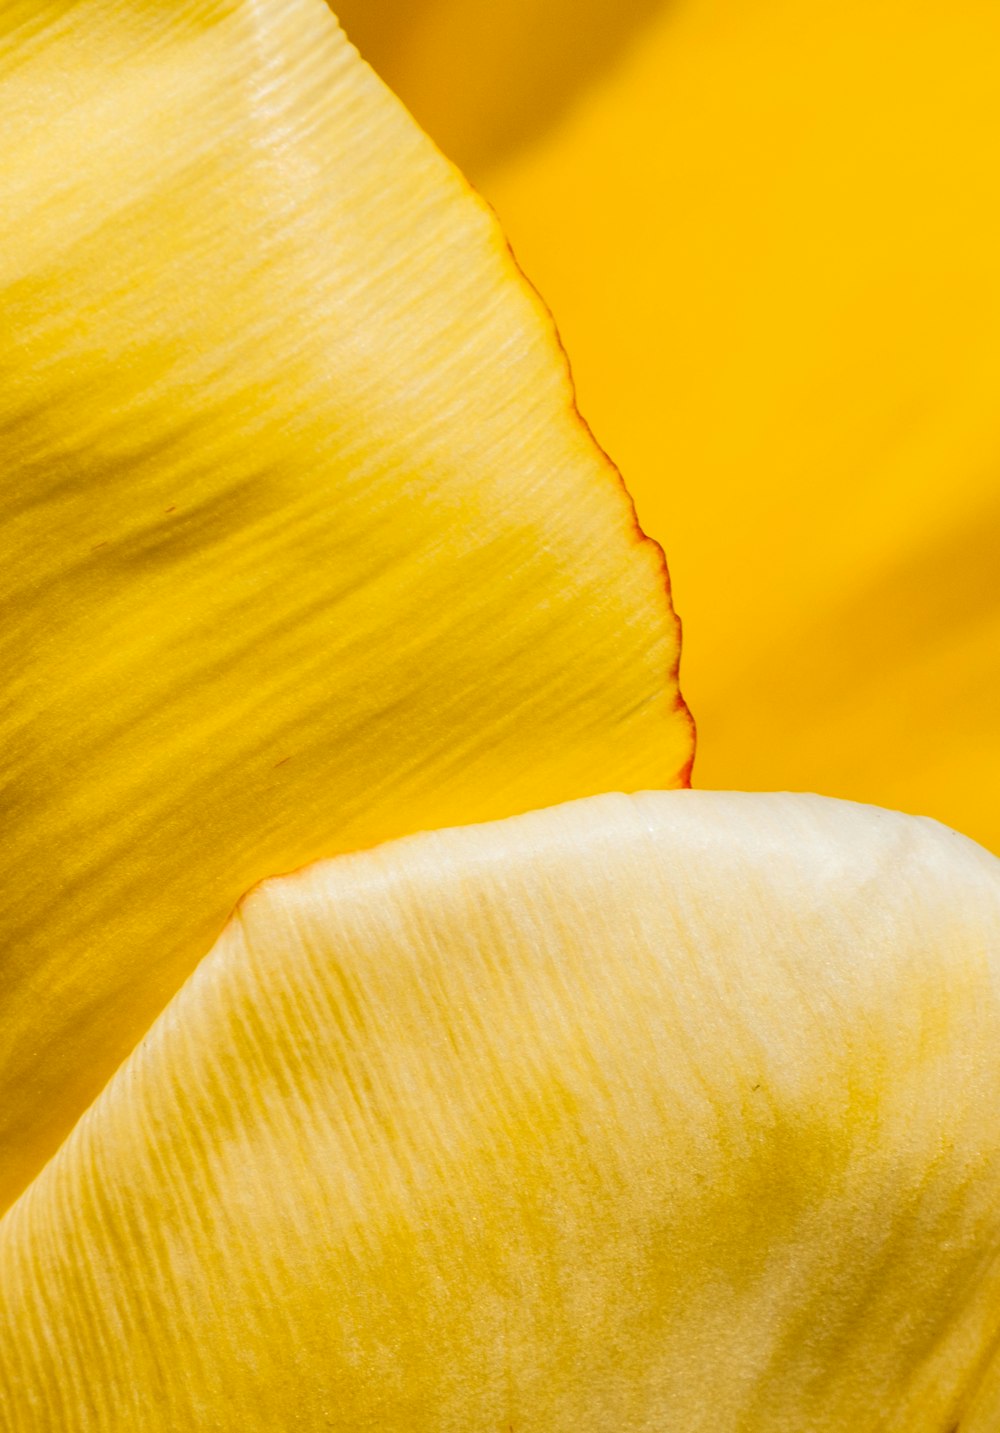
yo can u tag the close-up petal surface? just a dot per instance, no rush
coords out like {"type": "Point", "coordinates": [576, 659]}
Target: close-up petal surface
{"type": "Point", "coordinates": [769, 233]}
{"type": "Point", "coordinates": [304, 543]}
{"type": "Point", "coordinates": [676, 1111]}
{"type": "Point", "coordinates": [384, 1045]}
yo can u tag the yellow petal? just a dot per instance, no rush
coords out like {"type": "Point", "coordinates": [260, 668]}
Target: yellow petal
{"type": "Point", "coordinates": [670, 1112]}
{"type": "Point", "coordinates": [304, 545]}
{"type": "Point", "coordinates": [770, 238]}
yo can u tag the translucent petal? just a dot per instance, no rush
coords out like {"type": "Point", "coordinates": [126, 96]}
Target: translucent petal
{"type": "Point", "coordinates": [303, 542]}
{"type": "Point", "coordinates": [673, 1111]}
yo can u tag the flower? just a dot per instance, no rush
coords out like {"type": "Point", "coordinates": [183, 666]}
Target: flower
{"type": "Point", "coordinates": [768, 234]}
{"type": "Point", "coordinates": [526, 1122]}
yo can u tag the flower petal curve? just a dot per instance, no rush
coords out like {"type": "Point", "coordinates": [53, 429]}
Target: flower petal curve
{"type": "Point", "coordinates": [672, 1111]}
{"type": "Point", "coordinates": [304, 543]}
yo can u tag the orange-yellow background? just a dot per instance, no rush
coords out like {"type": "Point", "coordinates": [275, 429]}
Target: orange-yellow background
{"type": "Point", "coordinates": [770, 233]}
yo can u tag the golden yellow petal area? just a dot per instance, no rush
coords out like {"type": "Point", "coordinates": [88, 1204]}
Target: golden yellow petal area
{"type": "Point", "coordinates": [670, 1111]}
{"type": "Point", "coordinates": [484, 78]}
{"type": "Point", "coordinates": [304, 544]}
{"type": "Point", "coordinates": [770, 237]}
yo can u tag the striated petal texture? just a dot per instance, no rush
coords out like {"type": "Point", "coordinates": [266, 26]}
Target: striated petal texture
{"type": "Point", "coordinates": [679, 1111]}
{"type": "Point", "coordinates": [303, 543]}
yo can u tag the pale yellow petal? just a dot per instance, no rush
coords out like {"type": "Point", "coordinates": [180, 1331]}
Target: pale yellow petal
{"type": "Point", "coordinates": [303, 543]}
{"type": "Point", "coordinates": [679, 1111]}
{"type": "Point", "coordinates": [771, 239]}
